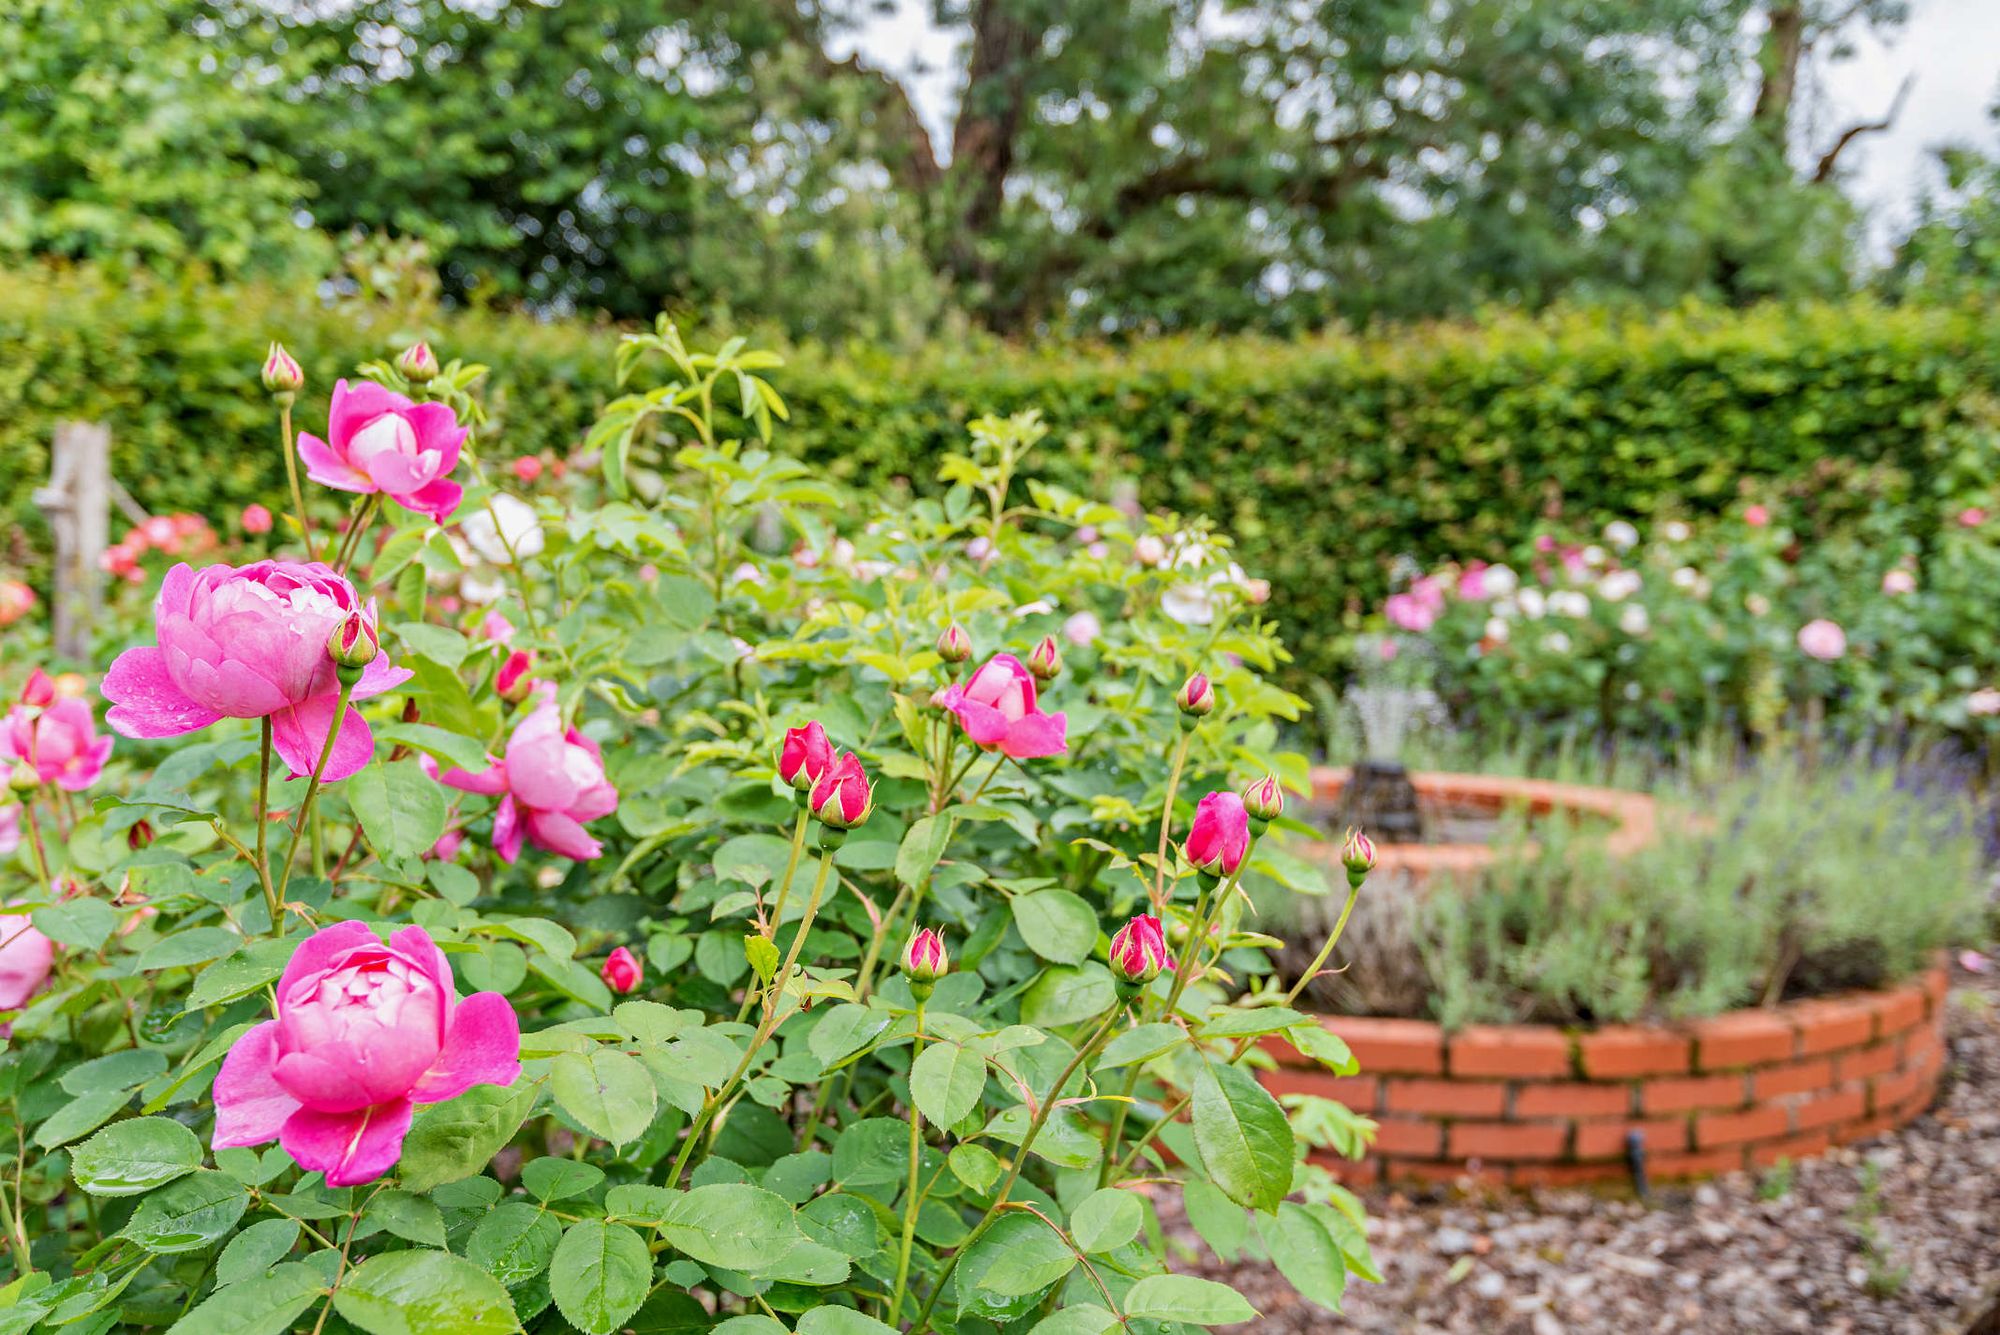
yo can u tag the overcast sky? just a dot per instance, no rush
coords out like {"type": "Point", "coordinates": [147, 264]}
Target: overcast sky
{"type": "Point", "coordinates": [1951, 46]}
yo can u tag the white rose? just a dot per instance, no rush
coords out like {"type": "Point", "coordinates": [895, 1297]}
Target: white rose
{"type": "Point", "coordinates": [1619, 585]}
{"type": "Point", "coordinates": [1676, 531]}
{"type": "Point", "coordinates": [1497, 630]}
{"type": "Point", "coordinates": [505, 528]}
{"type": "Point", "coordinates": [1556, 642]}
{"type": "Point", "coordinates": [1621, 535]}
{"type": "Point", "coordinates": [1500, 581]}
{"type": "Point", "coordinates": [1634, 620]}
{"type": "Point", "coordinates": [1533, 604]}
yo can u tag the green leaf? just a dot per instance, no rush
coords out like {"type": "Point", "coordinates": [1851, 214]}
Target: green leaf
{"type": "Point", "coordinates": [1057, 925]}
{"type": "Point", "coordinates": [732, 1225]}
{"type": "Point", "coordinates": [1323, 1046]}
{"type": "Point", "coordinates": [923, 844]}
{"type": "Point", "coordinates": [1244, 1139]}
{"type": "Point", "coordinates": [1082, 1319]}
{"type": "Point", "coordinates": [127, 1158]}
{"type": "Point", "coordinates": [1306, 1254]}
{"type": "Point", "coordinates": [464, 752]}
{"type": "Point", "coordinates": [947, 1080]}
{"type": "Point", "coordinates": [1106, 1220]}
{"type": "Point", "coordinates": [551, 1179]}
{"type": "Point", "coordinates": [514, 1242]}
{"type": "Point", "coordinates": [1016, 1258]}
{"type": "Point", "coordinates": [228, 979]}
{"type": "Point", "coordinates": [607, 1092]}
{"type": "Point", "coordinates": [600, 1275]}
{"type": "Point", "coordinates": [188, 1214]}
{"type": "Point", "coordinates": [440, 644]}
{"type": "Point", "coordinates": [197, 945]}
{"type": "Point", "coordinates": [763, 956]}
{"type": "Point", "coordinates": [414, 1218]}
{"type": "Point", "coordinates": [1221, 1222]}
{"type": "Point", "coordinates": [831, 1320]}
{"type": "Point", "coordinates": [267, 1304]}
{"type": "Point", "coordinates": [1141, 1043]}
{"type": "Point", "coordinates": [844, 1030]}
{"type": "Point", "coordinates": [1186, 1298]}
{"type": "Point", "coordinates": [1234, 1022]}
{"type": "Point", "coordinates": [81, 1116]}
{"type": "Point", "coordinates": [423, 1292]}
{"type": "Point", "coordinates": [1065, 994]}
{"type": "Point", "coordinates": [974, 1165]}
{"type": "Point", "coordinates": [456, 1139]}
{"type": "Point", "coordinates": [82, 923]}
{"type": "Point", "coordinates": [256, 1249]}
{"type": "Point", "coordinates": [402, 810]}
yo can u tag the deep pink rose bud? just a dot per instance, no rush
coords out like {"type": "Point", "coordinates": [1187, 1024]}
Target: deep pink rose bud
{"type": "Point", "coordinates": [1220, 836]}
{"type": "Point", "coordinates": [1196, 698]}
{"type": "Point", "coordinates": [527, 468]}
{"type": "Point", "coordinates": [512, 683]}
{"type": "Point", "coordinates": [139, 836]}
{"type": "Point", "coordinates": [281, 373]}
{"type": "Point", "coordinates": [1264, 799]}
{"type": "Point", "coordinates": [1045, 659]}
{"type": "Point", "coordinates": [418, 364]}
{"type": "Point", "coordinates": [924, 960]}
{"type": "Point", "coordinates": [953, 644]}
{"type": "Point", "coordinates": [1139, 951]}
{"type": "Point", "coordinates": [806, 757]}
{"type": "Point", "coordinates": [352, 646]}
{"type": "Point", "coordinates": [622, 973]}
{"type": "Point", "coordinates": [843, 797]}
{"type": "Point", "coordinates": [1358, 855]}
{"type": "Point", "coordinates": [40, 691]}
{"type": "Point", "coordinates": [256, 519]}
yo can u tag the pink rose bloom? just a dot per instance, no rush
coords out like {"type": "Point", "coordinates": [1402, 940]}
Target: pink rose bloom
{"type": "Point", "coordinates": [1082, 629]}
{"type": "Point", "coordinates": [1971, 517]}
{"type": "Point", "coordinates": [1408, 612]}
{"type": "Point", "coordinates": [997, 709]}
{"type": "Point", "coordinates": [61, 742]}
{"type": "Point", "coordinates": [621, 972]}
{"type": "Point", "coordinates": [1756, 516]}
{"type": "Point", "coordinates": [1822, 639]}
{"type": "Point", "coordinates": [497, 628]}
{"type": "Point", "coordinates": [26, 957]}
{"type": "Point", "coordinates": [1898, 581]}
{"type": "Point", "coordinates": [379, 441]}
{"type": "Point", "coordinates": [1544, 544]}
{"type": "Point", "coordinates": [364, 1033]}
{"type": "Point", "coordinates": [256, 519]}
{"type": "Point", "coordinates": [1220, 836]}
{"type": "Point", "coordinates": [16, 601]}
{"type": "Point", "coordinates": [250, 642]}
{"type": "Point", "coordinates": [1472, 582]}
{"type": "Point", "coordinates": [550, 784]}
{"type": "Point", "coordinates": [527, 468]}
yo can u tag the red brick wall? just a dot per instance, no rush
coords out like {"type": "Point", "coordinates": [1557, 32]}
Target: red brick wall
{"type": "Point", "coordinates": [1533, 1104]}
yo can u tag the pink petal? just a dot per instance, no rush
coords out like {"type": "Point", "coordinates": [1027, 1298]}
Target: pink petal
{"type": "Point", "coordinates": [415, 945]}
{"type": "Point", "coordinates": [299, 734]}
{"type": "Point", "coordinates": [507, 830]}
{"type": "Point", "coordinates": [1035, 735]}
{"type": "Point", "coordinates": [483, 1048]}
{"type": "Point", "coordinates": [984, 724]}
{"type": "Point", "coordinates": [145, 700]}
{"type": "Point", "coordinates": [489, 782]}
{"type": "Point", "coordinates": [320, 951]}
{"type": "Point", "coordinates": [437, 428]}
{"type": "Point", "coordinates": [437, 499]}
{"type": "Point", "coordinates": [355, 404]}
{"type": "Point", "coordinates": [250, 1109]}
{"type": "Point", "coordinates": [325, 466]}
{"type": "Point", "coordinates": [350, 1148]}
{"type": "Point", "coordinates": [562, 835]}
{"type": "Point", "coordinates": [379, 677]}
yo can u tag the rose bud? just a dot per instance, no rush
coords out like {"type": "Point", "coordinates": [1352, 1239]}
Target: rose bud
{"type": "Point", "coordinates": [511, 683]}
{"type": "Point", "coordinates": [843, 797]}
{"type": "Point", "coordinates": [1264, 799]}
{"type": "Point", "coordinates": [1358, 855]}
{"type": "Point", "coordinates": [1196, 698]}
{"type": "Point", "coordinates": [1045, 660]}
{"type": "Point", "coordinates": [1219, 839]}
{"type": "Point", "coordinates": [621, 972]}
{"type": "Point", "coordinates": [352, 646]}
{"type": "Point", "coordinates": [953, 644]}
{"type": "Point", "coordinates": [255, 519]}
{"type": "Point", "coordinates": [528, 468]}
{"type": "Point", "coordinates": [806, 757]}
{"type": "Point", "coordinates": [24, 778]}
{"type": "Point", "coordinates": [281, 373]}
{"type": "Point", "coordinates": [418, 364]}
{"type": "Point", "coordinates": [924, 961]}
{"type": "Point", "coordinates": [40, 692]}
{"type": "Point", "coordinates": [1139, 951]}
{"type": "Point", "coordinates": [139, 836]}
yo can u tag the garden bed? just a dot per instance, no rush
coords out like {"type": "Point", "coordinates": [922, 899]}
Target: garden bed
{"type": "Point", "coordinates": [1537, 1105]}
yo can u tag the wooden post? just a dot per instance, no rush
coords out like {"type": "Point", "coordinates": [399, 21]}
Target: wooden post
{"type": "Point", "coordinates": [76, 502]}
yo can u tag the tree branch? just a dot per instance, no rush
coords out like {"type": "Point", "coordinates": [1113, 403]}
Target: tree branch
{"type": "Point", "coordinates": [1824, 172]}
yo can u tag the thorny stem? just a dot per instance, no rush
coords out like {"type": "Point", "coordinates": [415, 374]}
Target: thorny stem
{"type": "Point", "coordinates": [292, 472]}
{"type": "Point", "coordinates": [1167, 817]}
{"type": "Point", "coordinates": [271, 900]}
{"type": "Point", "coordinates": [312, 793]}
{"type": "Point", "coordinates": [784, 892]}
{"type": "Point", "coordinates": [41, 853]}
{"type": "Point", "coordinates": [912, 1195]}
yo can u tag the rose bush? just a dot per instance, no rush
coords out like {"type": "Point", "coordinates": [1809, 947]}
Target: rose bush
{"type": "Point", "coordinates": [559, 953]}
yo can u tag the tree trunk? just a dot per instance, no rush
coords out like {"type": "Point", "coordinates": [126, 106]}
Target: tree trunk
{"type": "Point", "coordinates": [1784, 48]}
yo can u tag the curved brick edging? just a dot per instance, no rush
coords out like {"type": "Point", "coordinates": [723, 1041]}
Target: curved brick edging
{"type": "Point", "coordinates": [1532, 1105]}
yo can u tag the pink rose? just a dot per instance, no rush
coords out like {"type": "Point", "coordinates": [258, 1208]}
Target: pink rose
{"type": "Point", "coordinates": [364, 1033]}
{"type": "Point", "coordinates": [511, 682]}
{"type": "Point", "coordinates": [806, 756]}
{"type": "Point", "coordinates": [1407, 612]}
{"type": "Point", "coordinates": [843, 797]}
{"type": "Point", "coordinates": [1898, 581]}
{"type": "Point", "coordinates": [550, 784]}
{"type": "Point", "coordinates": [1756, 516]}
{"type": "Point", "coordinates": [1220, 836]}
{"type": "Point", "coordinates": [1139, 950]}
{"type": "Point", "coordinates": [16, 601]}
{"type": "Point", "coordinates": [497, 628]}
{"type": "Point", "coordinates": [250, 642]}
{"type": "Point", "coordinates": [1971, 517]}
{"type": "Point", "coordinates": [447, 846]}
{"type": "Point", "coordinates": [621, 972]}
{"type": "Point", "coordinates": [924, 958]}
{"type": "Point", "coordinates": [39, 691]}
{"type": "Point", "coordinates": [61, 742]}
{"type": "Point", "coordinates": [379, 441]}
{"type": "Point", "coordinates": [1082, 629]}
{"type": "Point", "coordinates": [527, 468]}
{"type": "Point", "coordinates": [1822, 639]}
{"type": "Point", "coordinates": [255, 519]}
{"type": "Point", "coordinates": [997, 709]}
{"type": "Point", "coordinates": [25, 959]}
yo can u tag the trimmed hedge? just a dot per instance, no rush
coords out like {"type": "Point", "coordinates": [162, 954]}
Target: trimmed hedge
{"type": "Point", "coordinates": [1327, 457]}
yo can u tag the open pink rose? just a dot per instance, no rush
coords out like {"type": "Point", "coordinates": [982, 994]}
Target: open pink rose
{"type": "Point", "coordinates": [1220, 835]}
{"type": "Point", "coordinates": [25, 959]}
{"type": "Point", "coordinates": [551, 782]}
{"type": "Point", "coordinates": [250, 642]}
{"type": "Point", "coordinates": [365, 1032]}
{"type": "Point", "coordinates": [61, 742]}
{"type": "Point", "coordinates": [1822, 639]}
{"type": "Point", "coordinates": [379, 441]}
{"type": "Point", "coordinates": [997, 709]}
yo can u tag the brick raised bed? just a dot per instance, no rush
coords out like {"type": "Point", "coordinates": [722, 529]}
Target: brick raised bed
{"type": "Point", "coordinates": [1529, 1105]}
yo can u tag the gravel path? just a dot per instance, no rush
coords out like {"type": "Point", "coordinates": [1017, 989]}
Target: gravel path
{"type": "Point", "coordinates": [1900, 1234]}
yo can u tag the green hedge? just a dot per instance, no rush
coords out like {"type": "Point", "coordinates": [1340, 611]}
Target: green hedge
{"type": "Point", "coordinates": [1327, 457]}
